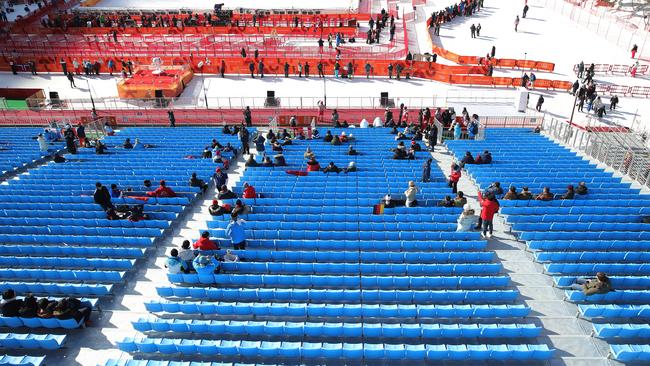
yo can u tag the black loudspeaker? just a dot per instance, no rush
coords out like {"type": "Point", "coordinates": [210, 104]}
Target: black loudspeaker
{"type": "Point", "coordinates": [55, 100]}
{"type": "Point", "coordinates": [384, 101]}
{"type": "Point", "coordinates": [270, 99]}
{"type": "Point", "coordinates": [161, 102]}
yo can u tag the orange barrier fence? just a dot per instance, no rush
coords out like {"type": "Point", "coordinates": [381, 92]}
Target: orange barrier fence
{"type": "Point", "coordinates": [461, 74]}
{"type": "Point", "coordinates": [497, 62]}
{"type": "Point", "coordinates": [307, 31]}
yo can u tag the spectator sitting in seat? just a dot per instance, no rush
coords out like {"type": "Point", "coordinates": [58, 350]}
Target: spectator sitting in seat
{"type": "Point", "coordinates": [279, 160]}
{"type": "Point", "coordinates": [29, 308]}
{"type": "Point", "coordinates": [199, 183]}
{"type": "Point", "coordinates": [486, 157]}
{"type": "Point", "coordinates": [352, 151]}
{"type": "Point", "coordinates": [240, 208]}
{"type": "Point", "coordinates": [308, 153]}
{"type": "Point", "coordinates": [204, 243]}
{"type": "Point", "coordinates": [447, 202]}
{"type": "Point", "coordinates": [525, 194]}
{"type": "Point", "coordinates": [343, 137]}
{"type": "Point", "coordinates": [236, 232]}
{"type": "Point", "coordinates": [512, 194]}
{"type": "Point", "coordinates": [187, 254]}
{"type": "Point", "coordinates": [10, 305]}
{"type": "Point", "coordinates": [229, 148]}
{"type": "Point", "coordinates": [315, 135]}
{"type": "Point", "coordinates": [115, 191]}
{"type": "Point", "coordinates": [226, 130]}
{"type": "Point", "coordinates": [205, 264]}
{"type": "Point", "coordinates": [569, 194]}
{"type": "Point", "coordinates": [100, 148]}
{"type": "Point", "coordinates": [410, 154]}
{"type": "Point", "coordinates": [400, 136]}
{"type": "Point", "coordinates": [216, 157]}
{"type": "Point", "coordinates": [494, 188]}
{"type": "Point", "coordinates": [582, 188]}
{"type": "Point", "coordinates": [137, 145]}
{"type": "Point", "coordinates": [102, 197]}
{"type": "Point", "coordinates": [331, 168]}
{"type": "Point", "coordinates": [312, 165]}
{"type": "Point", "coordinates": [46, 308]}
{"type": "Point", "coordinates": [352, 167]}
{"type": "Point", "coordinates": [251, 161]}
{"type": "Point", "coordinates": [162, 191]}
{"type": "Point", "coordinates": [70, 308]}
{"type": "Point", "coordinates": [415, 146]}
{"type": "Point", "coordinates": [215, 144]}
{"type": "Point", "coordinates": [460, 200]}
{"type": "Point", "coordinates": [230, 257]}
{"type": "Point", "coordinates": [410, 194]}
{"type": "Point", "coordinates": [467, 159]}
{"type": "Point", "coordinates": [174, 264]}
{"type": "Point", "coordinates": [328, 137]}
{"type": "Point", "coordinates": [207, 153]}
{"type": "Point", "coordinates": [137, 214]}
{"type": "Point", "coordinates": [270, 135]}
{"type": "Point", "coordinates": [220, 178]}
{"type": "Point", "coordinates": [336, 141]}
{"type": "Point", "coordinates": [112, 214]}
{"type": "Point", "coordinates": [249, 191]}
{"type": "Point", "coordinates": [546, 195]}
{"type": "Point", "coordinates": [127, 144]}
{"type": "Point", "coordinates": [599, 285]}
{"type": "Point", "coordinates": [267, 162]}
{"type": "Point", "coordinates": [58, 158]}
{"type": "Point", "coordinates": [225, 193]}
{"type": "Point", "coordinates": [216, 210]}
{"type": "Point", "coordinates": [467, 220]}
{"type": "Point", "coordinates": [275, 146]}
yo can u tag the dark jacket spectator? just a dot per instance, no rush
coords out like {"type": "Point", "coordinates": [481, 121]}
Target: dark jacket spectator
{"type": "Point", "coordinates": [546, 195]}
{"type": "Point", "coordinates": [525, 194]}
{"type": "Point", "coordinates": [10, 305]}
{"type": "Point", "coordinates": [512, 194]}
{"type": "Point", "coordinates": [570, 193]}
{"type": "Point", "coordinates": [102, 197]}
{"type": "Point", "coordinates": [582, 188]}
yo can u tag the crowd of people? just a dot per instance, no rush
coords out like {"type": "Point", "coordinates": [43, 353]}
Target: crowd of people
{"type": "Point", "coordinates": [44, 308]}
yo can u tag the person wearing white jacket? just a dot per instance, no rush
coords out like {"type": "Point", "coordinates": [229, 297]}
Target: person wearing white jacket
{"type": "Point", "coordinates": [467, 220]}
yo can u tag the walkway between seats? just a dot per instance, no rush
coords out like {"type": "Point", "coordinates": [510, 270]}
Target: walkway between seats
{"type": "Point", "coordinates": [562, 331]}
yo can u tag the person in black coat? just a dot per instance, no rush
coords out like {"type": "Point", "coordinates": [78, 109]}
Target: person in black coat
{"type": "Point", "coordinates": [10, 305]}
{"type": "Point", "coordinates": [102, 197]}
{"type": "Point", "coordinates": [432, 137]}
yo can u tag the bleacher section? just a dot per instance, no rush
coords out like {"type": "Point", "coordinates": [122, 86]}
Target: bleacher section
{"type": "Point", "coordinates": [18, 147]}
{"type": "Point", "coordinates": [600, 231]}
{"type": "Point", "coordinates": [58, 242]}
{"type": "Point", "coordinates": [325, 279]}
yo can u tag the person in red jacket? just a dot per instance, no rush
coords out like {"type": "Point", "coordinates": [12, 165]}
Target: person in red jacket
{"type": "Point", "coordinates": [454, 177]}
{"type": "Point", "coordinates": [162, 191]}
{"type": "Point", "coordinates": [249, 191]}
{"type": "Point", "coordinates": [312, 165]}
{"type": "Point", "coordinates": [204, 243]}
{"type": "Point", "coordinates": [490, 206]}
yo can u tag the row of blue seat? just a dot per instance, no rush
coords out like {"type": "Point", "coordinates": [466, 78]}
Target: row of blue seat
{"type": "Point", "coordinates": [8, 198]}
{"type": "Point", "coordinates": [628, 257]}
{"type": "Point", "coordinates": [61, 275]}
{"type": "Point", "coordinates": [579, 226]}
{"type": "Point", "coordinates": [613, 311]}
{"type": "Point", "coordinates": [414, 269]}
{"type": "Point", "coordinates": [582, 235]}
{"type": "Point", "coordinates": [373, 235]}
{"type": "Point", "coordinates": [630, 352]}
{"type": "Point", "coordinates": [588, 269]}
{"type": "Point", "coordinates": [357, 256]}
{"type": "Point", "coordinates": [574, 245]}
{"type": "Point", "coordinates": [341, 226]}
{"type": "Point", "coordinates": [6, 360]}
{"type": "Point", "coordinates": [624, 296]}
{"type": "Point", "coordinates": [66, 289]}
{"type": "Point", "coordinates": [334, 329]}
{"type": "Point", "coordinates": [81, 230]}
{"type": "Point", "coordinates": [341, 296]}
{"type": "Point", "coordinates": [577, 210]}
{"type": "Point", "coordinates": [362, 245]}
{"type": "Point", "coordinates": [618, 282]}
{"type": "Point", "coordinates": [49, 262]}
{"type": "Point", "coordinates": [579, 218]}
{"type": "Point", "coordinates": [78, 240]}
{"type": "Point", "coordinates": [364, 310]}
{"type": "Point", "coordinates": [31, 341]}
{"type": "Point", "coordinates": [349, 351]}
{"type": "Point", "coordinates": [153, 216]}
{"type": "Point", "coordinates": [365, 282]}
{"type": "Point", "coordinates": [65, 250]}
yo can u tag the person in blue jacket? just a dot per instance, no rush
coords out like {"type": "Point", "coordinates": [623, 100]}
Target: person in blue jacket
{"type": "Point", "coordinates": [236, 232]}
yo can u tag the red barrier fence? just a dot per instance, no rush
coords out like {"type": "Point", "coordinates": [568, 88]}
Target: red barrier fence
{"type": "Point", "coordinates": [614, 69]}
{"type": "Point", "coordinates": [622, 90]}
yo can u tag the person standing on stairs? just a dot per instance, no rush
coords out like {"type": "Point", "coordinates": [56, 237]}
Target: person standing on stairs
{"type": "Point", "coordinates": [236, 232]}
{"type": "Point", "coordinates": [489, 207]}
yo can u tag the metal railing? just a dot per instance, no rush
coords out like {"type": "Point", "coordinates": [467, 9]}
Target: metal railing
{"type": "Point", "coordinates": [200, 101]}
{"type": "Point", "coordinates": [625, 152]}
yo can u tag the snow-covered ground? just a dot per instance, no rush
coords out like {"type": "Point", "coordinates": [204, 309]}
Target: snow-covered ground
{"type": "Point", "coordinates": [229, 4]}
{"type": "Point", "coordinates": [544, 35]}
{"type": "Point", "coordinates": [19, 10]}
